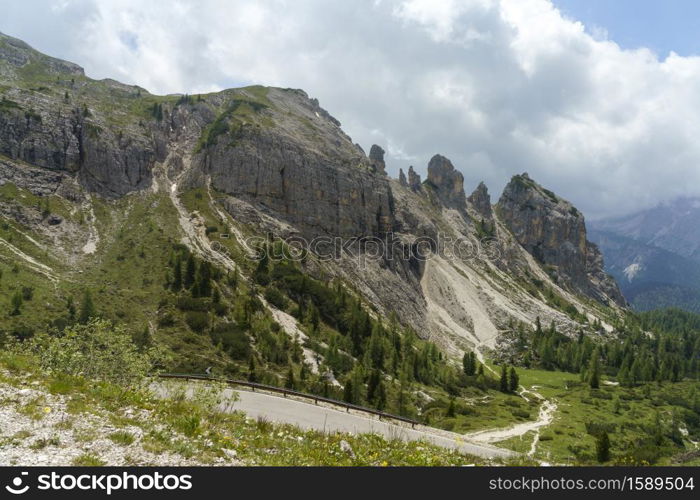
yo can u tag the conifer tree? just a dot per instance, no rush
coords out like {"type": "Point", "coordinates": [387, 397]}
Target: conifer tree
{"type": "Point", "coordinates": [289, 382]}
{"type": "Point", "coordinates": [252, 373]}
{"type": "Point", "coordinates": [348, 391]}
{"type": "Point", "coordinates": [504, 379]}
{"type": "Point", "coordinates": [594, 370]}
{"type": "Point", "coordinates": [190, 271]}
{"type": "Point", "coordinates": [177, 275]}
{"type": "Point", "coordinates": [87, 308]}
{"type": "Point", "coordinates": [469, 363]}
{"type": "Point", "coordinates": [602, 447]}
{"type": "Point", "coordinates": [450, 413]}
{"type": "Point", "coordinates": [380, 403]}
{"type": "Point", "coordinates": [513, 380]}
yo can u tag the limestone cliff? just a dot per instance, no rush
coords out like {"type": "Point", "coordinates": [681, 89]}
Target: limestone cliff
{"type": "Point", "coordinates": [553, 231]}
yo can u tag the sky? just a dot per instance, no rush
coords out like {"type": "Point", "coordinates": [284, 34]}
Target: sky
{"type": "Point", "coordinates": [597, 100]}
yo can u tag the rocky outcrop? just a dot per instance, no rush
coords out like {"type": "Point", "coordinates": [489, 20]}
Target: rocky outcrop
{"type": "Point", "coordinates": [402, 178]}
{"type": "Point", "coordinates": [554, 233]}
{"type": "Point", "coordinates": [447, 181]}
{"type": "Point", "coordinates": [108, 161]}
{"type": "Point", "coordinates": [414, 181]}
{"type": "Point", "coordinates": [480, 200]}
{"type": "Point", "coordinates": [376, 159]}
{"type": "Point", "coordinates": [322, 185]}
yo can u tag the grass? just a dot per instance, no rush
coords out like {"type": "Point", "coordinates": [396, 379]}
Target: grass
{"type": "Point", "coordinates": [628, 415]}
{"type": "Point", "coordinates": [123, 438]}
{"type": "Point", "coordinates": [42, 443]}
{"type": "Point", "coordinates": [88, 460]}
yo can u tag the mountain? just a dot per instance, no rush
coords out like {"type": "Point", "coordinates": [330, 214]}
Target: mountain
{"type": "Point", "coordinates": [672, 226]}
{"type": "Point", "coordinates": [159, 208]}
{"type": "Point", "coordinates": [243, 234]}
{"type": "Point", "coordinates": [654, 254]}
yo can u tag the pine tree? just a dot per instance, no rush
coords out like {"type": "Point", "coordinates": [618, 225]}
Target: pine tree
{"type": "Point", "coordinates": [450, 413]}
{"type": "Point", "coordinates": [262, 271]}
{"type": "Point", "coordinates": [252, 373]}
{"type": "Point", "coordinates": [469, 364]}
{"type": "Point", "coordinates": [594, 370]}
{"type": "Point", "coordinates": [70, 305]}
{"type": "Point", "coordinates": [190, 271]}
{"type": "Point", "coordinates": [87, 308]}
{"type": "Point", "coordinates": [602, 447]}
{"type": "Point", "coordinates": [177, 275]}
{"type": "Point", "coordinates": [373, 382]}
{"type": "Point", "coordinates": [504, 379]}
{"type": "Point", "coordinates": [289, 382]}
{"type": "Point", "coordinates": [348, 391]}
{"type": "Point", "coordinates": [513, 380]}
{"type": "Point", "coordinates": [202, 281]}
{"type": "Point", "coordinates": [381, 396]}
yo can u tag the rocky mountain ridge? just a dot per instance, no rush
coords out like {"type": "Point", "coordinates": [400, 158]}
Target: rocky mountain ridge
{"type": "Point", "coordinates": [653, 254]}
{"type": "Point", "coordinates": [269, 161]}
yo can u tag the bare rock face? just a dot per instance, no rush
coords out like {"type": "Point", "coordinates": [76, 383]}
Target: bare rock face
{"type": "Point", "coordinates": [481, 201]}
{"type": "Point", "coordinates": [108, 162]}
{"type": "Point", "coordinates": [414, 181]}
{"type": "Point", "coordinates": [56, 129]}
{"type": "Point", "coordinates": [376, 159]}
{"type": "Point", "coordinates": [322, 185]}
{"type": "Point", "coordinates": [402, 178]}
{"type": "Point", "coordinates": [447, 181]}
{"type": "Point", "coordinates": [554, 232]}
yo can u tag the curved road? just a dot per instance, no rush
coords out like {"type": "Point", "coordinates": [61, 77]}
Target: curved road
{"type": "Point", "coordinates": [326, 418]}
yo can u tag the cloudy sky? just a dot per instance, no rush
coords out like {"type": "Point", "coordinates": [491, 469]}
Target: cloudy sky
{"type": "Point", "coordinates": [597, 100]}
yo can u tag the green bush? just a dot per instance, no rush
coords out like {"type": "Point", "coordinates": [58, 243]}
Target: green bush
{"type": "Point", "coordinates": [97, 350]}
{"type": "Point", "coordinates": [198, 321]}
{"type": "Point", "coordinates": [232, 339]}
{"type": "Point", "coordinates": [275, 297]}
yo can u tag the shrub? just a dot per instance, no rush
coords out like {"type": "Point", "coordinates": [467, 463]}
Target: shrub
{"type": "Point", "coordinates": [275, 297]}
{"type": "Point", "coordinates": [97, 350]}
{"type": "Point", "coordinates": [198, 321]}
{"type": "Point", "coordinates": [233, 340]}
{"type": "Point", "coordinates": [520, 413]}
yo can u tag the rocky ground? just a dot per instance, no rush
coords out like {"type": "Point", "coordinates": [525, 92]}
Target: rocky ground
{"type": "Point", "coordinates": [41, 429]}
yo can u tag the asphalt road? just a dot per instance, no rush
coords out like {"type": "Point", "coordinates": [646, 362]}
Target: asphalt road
{"type": "Point", "coordinates": [324, 418]}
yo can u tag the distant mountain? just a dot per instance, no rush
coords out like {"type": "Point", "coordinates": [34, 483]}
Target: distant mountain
{"type": "Point", "coordinates": [672, 226]}
{"type": "Point", "coordinates": [655, 254]}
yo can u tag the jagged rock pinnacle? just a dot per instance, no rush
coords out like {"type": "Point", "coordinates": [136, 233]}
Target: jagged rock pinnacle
{"type": "Point", "coordinates": [448, 181]}
{"type": "Point", "coordinates": [376, 158]}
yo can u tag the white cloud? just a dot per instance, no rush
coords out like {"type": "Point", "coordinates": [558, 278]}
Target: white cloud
{"type": "Point", "coordinates": [500, 87]}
